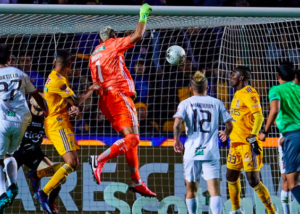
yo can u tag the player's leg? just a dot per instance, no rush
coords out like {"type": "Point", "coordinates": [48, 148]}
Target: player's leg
{"type": "Point", "coordinates": [286, 196]}
{"type": "Point", "coordinates": [66, 145]}
{"type": "Point", "coordinates": [211, 172]}
{"type": "Point", "coordinates": [192, 170]}
{"type": "Point", "coordinates": [252, 165]}
{"type": "Point", "coordinates": [234, 168]}
{"type": "Point", "coordinates": [291, 157]}
{"type": "Point", "coordinates": [261, 190]}
{"type": "Point", "coordinates": [11, 166]}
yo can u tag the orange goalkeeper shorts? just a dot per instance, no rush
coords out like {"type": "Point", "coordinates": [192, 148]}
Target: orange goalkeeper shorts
{"type": "Point", "coordinates": [119, 109]}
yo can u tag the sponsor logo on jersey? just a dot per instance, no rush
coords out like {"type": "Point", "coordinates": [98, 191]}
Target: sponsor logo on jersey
{"type": "Point", "coordinates": [119, 142]}
{"type": "Point", "coordinates": [63, 87]}
{"type": "Point", "coordinates": [59, 119]}
{"type": "Point", "coordinates": [237, 104]}
{"type": "Point", "coordinates": [11, 114]}
{"type": "Point", "coordinates": [99, 49]}
{"type": "Point", "coordinates": [249, 89]}
{"type": "Point", "coordinates": [235, 112]}
{"type": "Point", "coordinates": [200, 151]}
{"type": "Point", "coordinates": [247, 157]}
{"type": "Point", "coordinates": [254, 99]}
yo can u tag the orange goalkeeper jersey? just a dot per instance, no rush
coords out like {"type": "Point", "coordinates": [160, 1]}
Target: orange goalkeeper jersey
{"type": "Point", "coordinates": [108, 68]}
{"type": "Point", "coordinates": [56, 90]}
{"type": "Point", "coordinates": [244, 104]}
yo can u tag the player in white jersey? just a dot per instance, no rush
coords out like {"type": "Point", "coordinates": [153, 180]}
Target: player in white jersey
{"type": "Point", "coordinates": [14, 118]}
{"type": "Point", "coordinates": [201, 114]}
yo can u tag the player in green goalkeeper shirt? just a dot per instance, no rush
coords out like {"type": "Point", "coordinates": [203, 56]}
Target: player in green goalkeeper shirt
{"type": "Point", "coordinates": [285, 108]}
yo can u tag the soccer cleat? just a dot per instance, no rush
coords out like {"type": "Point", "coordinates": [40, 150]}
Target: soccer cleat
{"type": "Point", "coordinates": [96, 168]}
{"type": "Point", "coordinates": [238, 211]}
{"type": "Point", "coordinates": [53, 208]}
{"type": "Point", "coordinates": [12, 192]}
{"type": "Point", "coordinates": [35, 181]}
{"type": "Point", "coordinates": [43, 200]}
{"type": "Point", "coordinates": [142, 189]}
{"type": "Point", "coordinates": [35, 198]}
{"type": "Point", "coordinates": [4, 202]}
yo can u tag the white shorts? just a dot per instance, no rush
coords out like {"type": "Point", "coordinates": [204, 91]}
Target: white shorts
{"type": "Point", "coordinates": [280, 157]}
{"type": "Point", "coordinates": [194, 168]}
{"type": "Point", "coordinates": [11, 134]}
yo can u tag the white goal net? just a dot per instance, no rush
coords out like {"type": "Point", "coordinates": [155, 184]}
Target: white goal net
{"type": "Point", "coordinates": [216, 44]}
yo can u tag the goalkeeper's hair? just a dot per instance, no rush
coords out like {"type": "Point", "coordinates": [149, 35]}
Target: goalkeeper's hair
{"type": "Point", "coordinates": [199, 82]}
{"type": "Point", "coordinates": [286, 71]}
{"type": "Point", "coordinates": [245, 72]}
{"type": "Point", "coordinates": [63, 58]}
{"type": "Point", "coordinates": [4, 54]}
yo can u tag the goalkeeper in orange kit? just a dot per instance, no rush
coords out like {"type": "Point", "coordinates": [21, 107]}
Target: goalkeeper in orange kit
{"type": "Point", "coordinates": [117, 89]}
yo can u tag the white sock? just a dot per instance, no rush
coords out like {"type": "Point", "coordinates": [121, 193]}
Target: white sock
{"type": "Point", "coordinates": [11, 169]}
{"type": "Point", "coordinates": [216, 204]}
{"type": "Point", "coordinates": [286, 201]}
{"type": "Point", "coordinates": [192, 205]}
{"type": "Point", "coordinates": [2, 181]}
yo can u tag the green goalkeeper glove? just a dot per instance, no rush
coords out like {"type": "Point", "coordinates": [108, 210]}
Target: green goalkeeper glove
{"type": "Point", "coordinates": [144, 12]}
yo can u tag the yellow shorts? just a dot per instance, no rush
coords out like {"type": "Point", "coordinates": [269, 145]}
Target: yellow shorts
{"type": "Point", "coordinates": [63, 140]}
{"type": "Point", "coordinates": [240, 157]}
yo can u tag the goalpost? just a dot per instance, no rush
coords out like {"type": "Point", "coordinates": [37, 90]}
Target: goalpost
{"type": "Point", "coordinates": [215, 39]}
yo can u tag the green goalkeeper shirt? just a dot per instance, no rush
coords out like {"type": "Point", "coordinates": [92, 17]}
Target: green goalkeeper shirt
{"type": "Point", "coordinates": [288, 118]}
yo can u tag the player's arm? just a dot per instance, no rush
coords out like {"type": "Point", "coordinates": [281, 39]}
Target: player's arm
{"type": "Point", "coordinates": [274, 98]}
{"type": "Point", "coordinates": [274, 110]}
{"type": "Point", "coordinates": [78, 100]}
{"type": "Point", "coordinates": [177, 131]}
{"type": "Point", "coordinates": [227, 119]}
{"type": "Point", "coordinates": [141, 27]}
{"type": "Point", "coordinates": [39, 99]}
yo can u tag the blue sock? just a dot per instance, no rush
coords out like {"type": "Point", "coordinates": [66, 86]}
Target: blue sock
{"type": "Point", "coordinates": [296, 193]}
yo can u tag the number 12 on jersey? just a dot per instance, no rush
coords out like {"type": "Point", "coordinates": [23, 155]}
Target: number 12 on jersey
{"type": "Point", "coordinates": [203, 121]}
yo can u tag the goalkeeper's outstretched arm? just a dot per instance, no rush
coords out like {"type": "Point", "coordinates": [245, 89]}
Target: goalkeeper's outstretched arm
{"type": "Point", "coordinates": [141, 27]}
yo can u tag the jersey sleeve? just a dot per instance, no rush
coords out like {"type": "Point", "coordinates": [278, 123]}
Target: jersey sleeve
{"type": "Point", "coordinates": [60, 87]}
{"type": "Point", "coordinates": [224, 115]}
{"type": "Point", "coordinates": [251, 100]}
{"type": "Point", "coordinates": [273, 94]}
{"type": "Point", "coordinates": [29, 87]}
{"type": "Point", "coordinates": [181, 111]}
{"type": "Point", "coordinates": [123, 43]}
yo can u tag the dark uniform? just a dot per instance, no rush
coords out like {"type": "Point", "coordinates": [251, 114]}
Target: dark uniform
{"type": "Point", "coordinates": [29, 152]}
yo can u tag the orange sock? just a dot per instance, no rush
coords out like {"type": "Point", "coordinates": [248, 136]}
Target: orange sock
{"type": "Point", "coordinates": [120, 147]}
{"type": "Point", "coordinates": [133, 163]}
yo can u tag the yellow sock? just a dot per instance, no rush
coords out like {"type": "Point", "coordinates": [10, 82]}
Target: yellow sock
{"type": "Point", "coordinates": [48, 171]}
{"type": "Point", "coordinates": [235, 194]}
{"type": "Point", "coordinates": [58, 178]}
{"type": "Point", "coordinates": [264, 195]}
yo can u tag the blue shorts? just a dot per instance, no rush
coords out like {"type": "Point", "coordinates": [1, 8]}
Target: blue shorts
{"type": "Point", "coordinates": [291, 151]}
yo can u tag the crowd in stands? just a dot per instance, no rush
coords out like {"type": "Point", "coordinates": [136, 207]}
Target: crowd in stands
{"type": "Point", "coordinates": [239, 3]}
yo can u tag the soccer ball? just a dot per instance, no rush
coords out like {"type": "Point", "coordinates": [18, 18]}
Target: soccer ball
{"type": "Point", "coordinates": [175, 55]}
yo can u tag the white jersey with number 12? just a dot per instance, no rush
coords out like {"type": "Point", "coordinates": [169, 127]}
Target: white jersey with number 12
{"type": "Point", "coordinates": [202, 115]}
{"type": "Point", "coordinates": [13, 85]}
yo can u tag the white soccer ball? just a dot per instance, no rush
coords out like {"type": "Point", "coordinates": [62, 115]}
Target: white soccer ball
{"type": "Point", "coordinates": [175, 55]}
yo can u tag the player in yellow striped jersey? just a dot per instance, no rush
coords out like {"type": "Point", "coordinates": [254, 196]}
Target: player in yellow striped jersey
{"type": "Point", "coordinates": [245, 148]}
{"type": "Point", "coordinates": [58, 97]}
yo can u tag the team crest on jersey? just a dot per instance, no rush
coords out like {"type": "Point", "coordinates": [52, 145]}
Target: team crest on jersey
{"type": "Point", "coordinates": [237, 103]}
{"type": "Point", "coordinates": [63, 87]}
{"type": "Point", "coordinates": [72, 143]}
{"type": "Point", "coordinates": [247, 157]}
{"type": "Point", "coordinates": [254, 99]}
{"type": "Point", "coordinates": [59, 119]}
{"type": "Point", "coordinates": [249, 164]}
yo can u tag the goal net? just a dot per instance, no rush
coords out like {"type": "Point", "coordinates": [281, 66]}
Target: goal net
{"type": "Point", "coordinates": [216, 40]}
